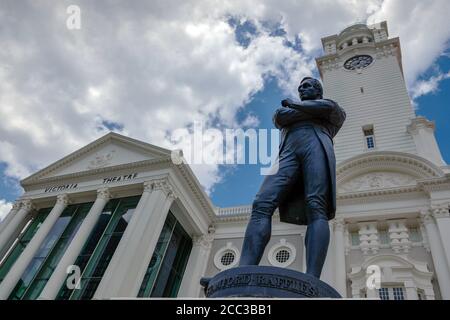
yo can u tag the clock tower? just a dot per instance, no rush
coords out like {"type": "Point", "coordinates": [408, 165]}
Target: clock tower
{"type": "Point", "coordinates": [362, 71]}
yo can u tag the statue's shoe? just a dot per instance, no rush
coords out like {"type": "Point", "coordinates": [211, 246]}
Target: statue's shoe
{"type": "Point", "coordinates": [204, 282]}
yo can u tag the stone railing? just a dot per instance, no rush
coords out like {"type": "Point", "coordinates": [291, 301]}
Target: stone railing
{"type": "Point", "coordinates": [234, 211]}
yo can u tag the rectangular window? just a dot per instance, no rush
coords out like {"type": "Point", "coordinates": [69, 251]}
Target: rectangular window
{"type": "Point", "coordinates": [354, 238]}
{"type": "Point", "coordinates": [23, 240]}
{"type": "Point", "coordinates": [57, 252]}
{"type": "Point", "coordinates": [369, 137]}
{"type": "Point", "coordinates": [384, 237]}
{"type": "Point", "coordinates": [383, 293]}
{"type": "Point", "coordinates": [398, 294]}
{"type": "Point", "coordinates": [100, 247]}
{"type": "Point", "coordinates": [415, 235]}
{"type": "Point", "coordinates": [166, 268]}
{"type": "Point", "coordinates": [391, 293]}
{"type": "Point", "coordinates": [51, 250]}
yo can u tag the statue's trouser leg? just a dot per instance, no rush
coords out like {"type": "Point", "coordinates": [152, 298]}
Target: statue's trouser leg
{"type": "Point", "coordinates": [317, 196]}
{"type": "Point", "coordinates": [266, 201]}
{"type": "Point", "coordinates": [316, 243]}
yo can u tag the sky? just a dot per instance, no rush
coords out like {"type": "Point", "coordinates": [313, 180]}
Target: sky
{"type": "Point", "coordinates": [147, 69]}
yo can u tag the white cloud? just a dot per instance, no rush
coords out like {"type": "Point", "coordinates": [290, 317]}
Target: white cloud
{"type": "Point", "coordinates": [156, 66]}
{"type": "Point", "coordinates": [5, 207]}
{"type": "Point", "coordinates": [430, 85]}
{"type": "Point", "coordinates": [423, 28]}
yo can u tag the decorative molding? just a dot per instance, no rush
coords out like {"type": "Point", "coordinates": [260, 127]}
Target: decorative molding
{"type": "Point", "coordinates": [16, 205]}
{"type": "Point", "coordinates": [205, 240]}
{"type": "Point", "coordinates": [104, 194]}
{"type": "Point", "coordinates": [76, 175]}
{"type": "Point", "coordinates": [426, 217]}
{"type": "Point", "coordinates": [381, 193]}
{"type": "Point", "coordinates": [400, 162]}
{"type": "Point", "coordinates": [441, 211]}
{"type": "Point", "coordinates": [399, 236]}
{"type": "Point", "coordinates": [27, 205]}
{"type": "Point", "coordinates": [339, 224]}
{"type": "Point", "coordinates": [377, 180]}
{"type": "Point", "coordinates": [437, 184]}
{"type": "Point", "coordinates": [368, 238]}
{"type": "Point", "coordinates": [162, 184]}
{"type": "Point", "coordinates": [101, 160]}
{"type": "Point", "coordinates": [62, 199]}
{"type": "Point", "coordinates": [420, 123]}
{"type": "Point", "coordinates": [112, 136]}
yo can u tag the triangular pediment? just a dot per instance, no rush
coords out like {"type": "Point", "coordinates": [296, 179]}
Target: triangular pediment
{"type": "Point", "coordinates": [110, 150]}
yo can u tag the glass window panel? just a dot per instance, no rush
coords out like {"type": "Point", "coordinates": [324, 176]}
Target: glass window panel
{"type": "Point", "coordinates": [99, 258]}
{"type": "Point", "coordinates": [158, 255]}
{"type": "Point", "coordinates": [22, 242]}
{"type": "Point", "coordinates": [415, 235]}
{"type": "Point", "coordinates": [383, 293]}
{"type": "Point", "coordinates": [48, 242]}
{"type": "Point", "coordinates": [57, 251]}
{"type": "Point", "coordinates": [398, 293]}
{"type": "Point", "coordinates": [354, 237]}
{"type": "Point", "coordinates": [384, 237]}
{"type": "Point", "coordinates": [166, 268]}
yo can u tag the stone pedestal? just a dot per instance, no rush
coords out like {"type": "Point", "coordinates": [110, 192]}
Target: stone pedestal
{"type": "Point", "coordinates": [266, 282]}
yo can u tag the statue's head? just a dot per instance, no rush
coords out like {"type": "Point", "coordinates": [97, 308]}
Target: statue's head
{"type": "Point", "coordinates": [310, 89]}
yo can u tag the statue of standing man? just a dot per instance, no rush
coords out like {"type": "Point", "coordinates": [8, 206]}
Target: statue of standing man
{"type": "Point", "coordinates": [304, 188]}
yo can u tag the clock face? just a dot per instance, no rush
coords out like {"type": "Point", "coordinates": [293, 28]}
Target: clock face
{"type": "Point", "coordinates": [358, 62]}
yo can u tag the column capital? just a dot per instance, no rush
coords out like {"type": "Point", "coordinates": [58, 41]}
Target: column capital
{"type": "Point", "coordinates": [27, 204]}
{"type": "Point", "coordinates": [440, 211]}
{"type": "Point", "coordinates": [426, 217]}
{"type": "Point", "coordinates": [339, 224]}
{"type": "Point", "coordinates": [162, 184]}
{"type": "Point", "coordinates": [205, 240]}
{"type": "Point", "coordinates": [63, 199]}
{"type": "Point", "coordinates": [104, 194]}
{"type": "Point", "coordinates": [16, 205]}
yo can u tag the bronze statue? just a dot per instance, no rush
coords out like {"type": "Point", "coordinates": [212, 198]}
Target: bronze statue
{"type": "Point", "coordinates": [304, 188]}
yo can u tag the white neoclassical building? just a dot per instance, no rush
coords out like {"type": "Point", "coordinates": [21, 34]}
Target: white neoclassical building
{"type": "Point", "coordinates": [119, 216]}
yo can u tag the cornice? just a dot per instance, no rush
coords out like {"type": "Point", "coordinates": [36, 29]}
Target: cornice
{"type": "Point", "coordinates": [196, 189]}
{"type": "Point", "coordinates": [437, 184]}
{"type": "Point", "coordinates": [133, 165]}
{"type": "Point", "coordinates": [112, 136]}
{"type": "Point", "coordinates": [388, 160]}
{"type": "Point", "coordinates": [377, 193]}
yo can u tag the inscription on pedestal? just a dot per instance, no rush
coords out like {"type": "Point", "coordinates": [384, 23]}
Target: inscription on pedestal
{"type": "Point", "coordinates": [259, 281]}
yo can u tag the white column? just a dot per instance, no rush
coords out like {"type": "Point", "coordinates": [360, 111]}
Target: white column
{"type": "Point", "coordinates": [57, 278]}
{"type": "Point", "coordinates": [15, 222]}
{"type": "Point", "coordinates": [339, 257]}
{"type": "Point", "coordinates": [129, 263]}
{"type": "Point", "coordinates": [373, 294]}
{"type": "Point", "coordinates": [429, 293]}
{"type": "Point", "coordinates": [27, 255]}
{"type": "Point", "coordinates": [442, 216]}
{"type": "Point", "coordinates": [303, 235]}
{"type": "Point", "coordinates": [411, 290]}
{"type": "Point", "coordinates": [10, 215]}
{"type": "Point", "coordinates": [328, 268]}
{"type": "Point", "coordinates": [437, 253]}
{"type": "Point", "coordinates": [196, 267]}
